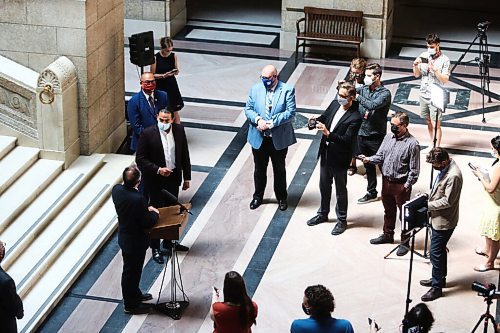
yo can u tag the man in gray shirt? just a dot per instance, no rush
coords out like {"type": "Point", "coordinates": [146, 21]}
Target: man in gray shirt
{"type": "Point", "coordinates": [399, 155]}
{"type": "Point", "coordinates": [374, 102]}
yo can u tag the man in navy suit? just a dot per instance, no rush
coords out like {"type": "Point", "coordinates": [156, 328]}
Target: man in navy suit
{"type": "Point", "coordinates": [11, 305]}
{"type": "Point", "coordinates": [339, 130]}
{"type": "Point", "coordinates": [270, 109]}
{"type": "Point", "coordinates": [134, 216]}
{"type": "Point", "coordinates": [143, 107]}
{"type": "Point", "coordinates": [163, 157]}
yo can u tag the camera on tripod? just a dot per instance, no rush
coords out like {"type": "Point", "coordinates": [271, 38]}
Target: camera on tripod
{"type": "Point", "coordinates": [486, 290]}
{"type": "Point", "coordinates": [483, 26]}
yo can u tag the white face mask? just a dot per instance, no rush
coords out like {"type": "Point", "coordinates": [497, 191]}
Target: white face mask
{"type": "Point", "coordinates": [431, 51]}
{"type": "Point", "coordinates": [342, 101]}
{"type": "Point", "coordinates": [163, 126]}
{"type": "Point", "coordinates": [368, 80]}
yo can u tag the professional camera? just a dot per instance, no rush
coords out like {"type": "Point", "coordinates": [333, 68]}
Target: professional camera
{"type": "Point", "coordinates": [483, 26]}
{"type": "Point", "coordinates": [485, 290]}
{"type": "Point", "coordinates": [311, 123]}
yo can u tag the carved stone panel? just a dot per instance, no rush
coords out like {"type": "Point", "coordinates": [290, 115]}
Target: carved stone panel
{"type": "Point", "coordinates": [18, 111]}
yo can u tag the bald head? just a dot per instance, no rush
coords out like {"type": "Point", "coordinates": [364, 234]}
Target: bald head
{"type": "Point", "coordinates": [269, 77]}
{"type": "Point", "coordinates": [269, 71]}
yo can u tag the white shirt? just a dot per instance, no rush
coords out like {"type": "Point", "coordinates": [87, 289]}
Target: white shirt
{"type": "Point", "coordinates": [168, 143]}
{"type": "Point", "coordinates": [336, 118]}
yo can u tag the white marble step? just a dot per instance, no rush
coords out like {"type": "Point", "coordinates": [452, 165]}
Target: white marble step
{"type": "Point", "coordinates": [46, 247]}
{"type": "Point", "coordinates": [52, 285]}
{"type": "Point", "coordinates": [34, 218]}
{"type": "Point", "coordinates": [7, 143]}
{"type": "Point", "coordinates": [21, 193]}
{"type": "Point", "coordinates": [15, 163]}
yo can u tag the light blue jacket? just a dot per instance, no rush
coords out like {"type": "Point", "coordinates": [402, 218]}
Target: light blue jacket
{"type": "Point", "coordinates": [282, 115]}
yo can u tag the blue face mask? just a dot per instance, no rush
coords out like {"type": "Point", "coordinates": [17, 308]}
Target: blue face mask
{"type": "Point", "coordinates": [163, 126]}
{"type": "Point", "coordinates": [268, 82]}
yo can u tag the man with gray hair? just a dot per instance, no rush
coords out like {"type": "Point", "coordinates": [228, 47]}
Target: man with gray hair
{"type": "Point", "coordinates": [399, 155]}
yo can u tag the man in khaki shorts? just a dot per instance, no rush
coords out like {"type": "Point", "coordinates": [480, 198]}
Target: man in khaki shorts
{"type": "Point", "coordinates": [434, 67]}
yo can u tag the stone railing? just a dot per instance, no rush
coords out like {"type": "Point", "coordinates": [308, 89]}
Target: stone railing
{"type": "Point", "coordinates": [41, 110]}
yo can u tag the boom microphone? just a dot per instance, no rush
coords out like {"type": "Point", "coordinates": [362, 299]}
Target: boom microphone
{"type": "Point", "coordinates": [172, 200]}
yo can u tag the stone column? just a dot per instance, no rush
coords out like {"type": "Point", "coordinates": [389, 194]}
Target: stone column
{"type": "Point", "coordinates": [378, 17]}
{"type": "Point", "coordinates": [90, 33]}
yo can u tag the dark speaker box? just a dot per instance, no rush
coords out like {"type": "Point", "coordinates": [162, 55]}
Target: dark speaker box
{"type": "Point", "coordinates": [141, 47]}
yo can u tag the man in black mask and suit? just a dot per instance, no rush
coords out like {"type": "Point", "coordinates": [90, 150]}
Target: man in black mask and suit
{"type": "Point", "coordinates": [339, 130]}
{"type": "Point", "coordinates": [11, 305]}
{"type": "Point", "coordinates": [163, 157]}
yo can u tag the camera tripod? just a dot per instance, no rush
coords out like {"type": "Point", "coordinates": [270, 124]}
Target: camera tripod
{"type": "Point", "coordinates": [486, 317]}
{"type": "Point", "coordinates": [483, 61]}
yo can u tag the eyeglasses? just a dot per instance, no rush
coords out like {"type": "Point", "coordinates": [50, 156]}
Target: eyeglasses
{"type": "Point", "coordinates": [148, 81]}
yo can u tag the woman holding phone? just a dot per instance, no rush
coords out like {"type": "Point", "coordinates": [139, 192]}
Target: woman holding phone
{"type": "Point", "coordinates": [237, 313]}
{"type": "Point", "coordinates": [490, 221]}
{"type": "Point", "coordinates": [165, 69]}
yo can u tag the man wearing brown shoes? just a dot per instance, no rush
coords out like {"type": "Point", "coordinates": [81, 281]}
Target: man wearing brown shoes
{"type": "Point", "coordinates": [399, 155]}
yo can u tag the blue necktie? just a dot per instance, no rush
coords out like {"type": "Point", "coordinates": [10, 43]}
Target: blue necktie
{"type": "Point", "coordinates": [269, 104]}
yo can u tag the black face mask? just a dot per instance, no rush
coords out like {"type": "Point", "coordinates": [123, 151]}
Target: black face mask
{"type": "Point", "coordinates": [307, 311]}
{"type": "Point", "coordinates": [394, 129]}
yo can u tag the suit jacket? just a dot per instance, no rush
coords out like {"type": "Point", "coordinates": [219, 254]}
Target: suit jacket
{"type": "Point", "coordinates": [282, 115]}
{"type": "Point", "coordinates": [340, 138]}
{"type": "Point", "coordinates": [11, 305]}
{"type": "Point", "coordinates": [444, 199]}
{"type": "Point", "coordinates": [150, 157]}
{"type": "Point", "coordinates": [141, 115]}
{"type": "Point", "coordinates": [133, 218]}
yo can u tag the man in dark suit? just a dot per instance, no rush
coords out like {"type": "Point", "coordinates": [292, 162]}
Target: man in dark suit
{"type": "Point", "coordinates": [134, 216]}
{"type": "Point", "coordinates": [270, 110]}
{"type": "Point", "coordinates": [11, 305]}
{"type": "Point", "coordinates": [339, 130]}
{"type": "Point", "coordinates": [163, 157]}
{"type": "Point", "coordinates": [143, 107]}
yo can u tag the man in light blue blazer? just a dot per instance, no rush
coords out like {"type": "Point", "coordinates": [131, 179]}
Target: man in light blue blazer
{"type": "Point", "coordinates": [270, 110]}
{"type": "Point", "coordinates": [143, 107]}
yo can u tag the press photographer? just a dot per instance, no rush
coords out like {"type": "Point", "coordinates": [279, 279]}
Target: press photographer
{"type": "Point", "coordinates": [443, 207]}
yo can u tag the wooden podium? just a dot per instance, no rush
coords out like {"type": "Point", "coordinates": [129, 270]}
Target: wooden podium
{"type": "Point", "coordinates": [170, 227]}
{"type": "Point", "coordinates": [171, 223]}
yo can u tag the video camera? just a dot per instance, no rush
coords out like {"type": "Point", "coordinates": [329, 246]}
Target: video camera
{"type": "Point", "coordinates": [486, 290]}
{"type": "Point", "coordinates": [483, 26]}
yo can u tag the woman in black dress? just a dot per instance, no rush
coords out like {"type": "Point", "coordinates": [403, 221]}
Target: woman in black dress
{"type": "Point", "coordinates": [165, 69]}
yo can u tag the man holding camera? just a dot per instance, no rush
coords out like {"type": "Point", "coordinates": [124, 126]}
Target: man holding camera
{"type": "Point", "coordinates": [443, 207]}
{"type": "Point", "coordinates": [434, 67]}
{"type": "Point", "coordinates": [339, 130]}
{"type": "Point", "coordinates": [374, 103]}
{"type": "Point", "coordinates": [399, 155]}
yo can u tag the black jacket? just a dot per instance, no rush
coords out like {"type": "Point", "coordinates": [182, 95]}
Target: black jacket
{"type": "Point", "coordinates": [11, 305]}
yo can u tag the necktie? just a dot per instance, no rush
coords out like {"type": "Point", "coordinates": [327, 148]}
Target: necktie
{"type": "Point", "coordinates": [269, 104]}
{"type": "Point", "coordinates": [151, 103]}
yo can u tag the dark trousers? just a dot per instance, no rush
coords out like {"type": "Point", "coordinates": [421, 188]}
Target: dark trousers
{"type": "Point", "coordinates": [157, 200]}
{"type": "Point", "coordinates": [368, 146]}
{"type": "Point", "coordinates": [394, 195]}
{"type": "Point", "coordinates": [439, 257]}
{"type": "Point", "coordinates": [261, 158]}
{"type": "Point", "coordinates": [328, 173]}
{"type": "Point", "coordinates": [131, 277]}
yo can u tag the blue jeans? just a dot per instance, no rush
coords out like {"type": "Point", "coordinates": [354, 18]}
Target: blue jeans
{"type": "Point", "coordinates": [439, 257]}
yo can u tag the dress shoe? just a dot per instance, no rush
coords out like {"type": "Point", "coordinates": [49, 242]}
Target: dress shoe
{"type": "Point", "coordinates": [146, 297]}
{"type": "Point", "coordinates": [339, 228]}
{"type": "Point", "coordinates": [402, 250]}
{"type": "Point", "coordinates": [181, 248]}
{"type": "Point", "coordinates": [428, 283]}
{"type": "Point", "coordinates": [382, 239]}
{"type": "Point", "coordinates": [317, 220]}
{"type": "Point", "coordinates": [282, 205]}
{"type": "Point", "coordinates": [255, 203]}
{"type": "Point", "coordinates": [432, 294]}
{"type": "Point", "coordinates": [158, 257]}
{"type": "Point", "coordinates": [139, 309]}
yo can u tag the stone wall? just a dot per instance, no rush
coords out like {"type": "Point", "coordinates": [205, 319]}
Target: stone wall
{"type": "Point", "coordinates": [377, 22]}
{"type": "Point", "coordinates": [90, 34]}
{"type": "Point", "coordinates": [165, 17]}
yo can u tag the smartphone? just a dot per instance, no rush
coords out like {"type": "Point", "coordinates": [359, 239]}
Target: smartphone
{"type": "Point", "coordinates": [472, 166]}
{"type": "Point", "coordinates": [424, 60]}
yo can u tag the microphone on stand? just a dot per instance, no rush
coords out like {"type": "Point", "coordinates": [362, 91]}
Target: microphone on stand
{"type": "Point", "coordinates": [172, 200]}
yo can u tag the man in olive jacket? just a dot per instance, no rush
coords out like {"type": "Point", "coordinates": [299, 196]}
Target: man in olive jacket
{"type": "Point", "coordinates": [443, 207]}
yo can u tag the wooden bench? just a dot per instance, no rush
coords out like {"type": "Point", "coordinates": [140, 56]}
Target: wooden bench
{"type": "Point", "coordinates": [329, 25]}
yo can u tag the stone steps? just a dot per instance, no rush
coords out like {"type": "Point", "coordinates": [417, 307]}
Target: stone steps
{"type": "Point", "coordinates": [7, 143]}
{"type": "Point", "coordinates": [15, 163]}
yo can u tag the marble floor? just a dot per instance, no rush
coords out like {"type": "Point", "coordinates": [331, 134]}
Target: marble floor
{"type": "Point", "coordinates": [278, 254]}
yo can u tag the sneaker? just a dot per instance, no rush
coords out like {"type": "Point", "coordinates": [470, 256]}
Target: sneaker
{"type": "Point", "coordinates": [382, 239]}
{"type": "Point", "coordinates": [367, 198]}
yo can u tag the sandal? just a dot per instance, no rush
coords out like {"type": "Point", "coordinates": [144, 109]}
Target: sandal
{"type": "Point", "coordinates": [352, 170]}
{"type": "Point", "coordinates": [483, 268]}
{"type": "Point", "coordinates": [480, 252]}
